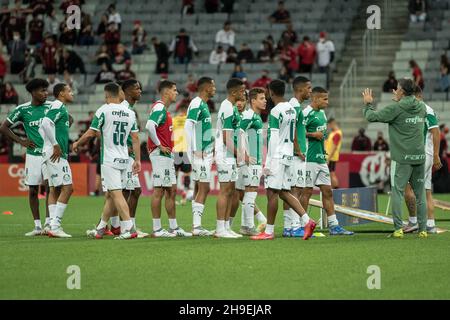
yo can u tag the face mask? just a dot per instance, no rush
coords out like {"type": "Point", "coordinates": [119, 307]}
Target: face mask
{"type": "Point", "coordinates": [322, 40]}
{"type": "Point", "coordinates": [16, 38]}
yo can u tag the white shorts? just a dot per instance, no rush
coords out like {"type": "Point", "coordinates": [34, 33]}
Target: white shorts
{"type": "Point", "coordinates": [227, 172]}
{"type": "Point", "coordinates": [428, 172]}
{"type": "Point", "coordinates": [163, 170]}
{"type": "Point", "coordinates": [132, 180]}
{"type": "Point", "coordinates": [298, 173]}
{"type": "Point", "coordinates": [201, 169]}
{"type": "Point", "coordinates": [317, 174]}
{"type": "Point", "coordinates": [59, 173]}
{"type": "Point", "coordinates": [113, 178]}
{"type": "Point", "coordinates": [281, 175]}
{"type": "Point", "coordinates": [251, 175]}
{"type": "Point", "coordinates": [34, 170]}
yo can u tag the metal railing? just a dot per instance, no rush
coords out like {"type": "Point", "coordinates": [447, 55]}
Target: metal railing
{"type": "Point", "coordinates": [347, 89]}
{"type": "Point", "coordinates": [369, 43]}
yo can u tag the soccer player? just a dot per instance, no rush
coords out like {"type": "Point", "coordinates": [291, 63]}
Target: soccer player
{"type": "Point", "coordinates": [293, 225]}
{"type": "Point", "coordinates": [317, 172]}
{"type": "Point", "coordinates": [115, 122]}
{"type": "Point", "coordinates": [252, 147]}
{"type": "Point", "coordinates": [406, 118]}
{"type": "Point", "coordinates": [200, 145]}
{"type": "Point", "coordinates": [31, 115]}
{"type": "Point", "coordinates": [279, 162]}
{"type": "Point", "coordinates": [132, 191]}
{"type": "Point", "coordinates": [55, 133]}
{"type": "Point", "coordinates": [228, 121]}
{"type": "Point", "coordinates": [333, 146]}
{"type": "Point", "coordinates": [182, 165]}
{"type": "Point", "coordinates": [432, 138]}
{"type": "Point", "coordinates": [160, 145]}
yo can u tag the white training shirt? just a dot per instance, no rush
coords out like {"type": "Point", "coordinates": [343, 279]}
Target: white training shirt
{"type": "Point", "coordinates": [282, 122]}
{"type": "Point", "coordinates": [223, 118]}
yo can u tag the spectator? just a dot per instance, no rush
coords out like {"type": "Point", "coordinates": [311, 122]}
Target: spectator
{"type": "Point", "coordinates": [103, 55]}
{"type": "Point", "coordinates": [325, 51]}
{"type": "Point", "coordinates": [263, 81]}
{"type": "Point", "coordinates": [8, 94]}
{"type": "Point", "coordinates": [70, 61]}
{"type": "Point", "coordinates": [361, 142]}
{"type": "Point", "coordinates": [307, 53]}
{"type": "Point", "coordinates": [218, 56]}
{"type": "Point", "coordinates": [71, 82]}
{"type": "Point", "coordinates": [41, 6]}
{"type": "Point", "coordinates": [127, 73]}
{"type": "Point", "coordinates": [67, 3]}
{"type": "Point", "coordinates": [444, 80]}
{"type": "Point", "coordinates": [232, 55]}
{"type": "Point", "coordinates": [211, 6]}
{"type": "Point", "coordinates": [281, 15]}
{"type": "Point", "coordinates": [239, 73]}
{"type": "Point", "coordinates": [191, 85]}
{"type": "Point", "coordinates": [112, 37]}
{"type": "Point", "coordinates": [187, 7]}
{"type": "Point", "coordinates": [105, 75]}
{"type": "Point", "coordinates": [417, 74]}
{"type": "Point", "coordinates": [417, 10]}
{"type": "Point", "coordinates": [227, 6]}
{"type": "Point", "coordinates": [391, 83]}
{"type": "Point", "coordinates": [122, 55]}
{"type": "Point", "coordinates": [51, 24]}
{"type": "Point", "coordinates": [245, 55]}
{"type": "Point", "coordinates": [17, 50]}
{"type": "Point", "coordinates": [182, 47]}
{"type": "Point", "coordinates": [380, 144]}
{"type": "Point", "coordinates": [184, 103]}
{"type": "Point", "coordinates": [139, 38]}
{"type": "Point", "coordinates": [162, 56]}
{"type": "Point", "coordinates": [102, 26]}
{"type": "Point", "coordinates": [17, 21]}
{"type": "Point", "coordinates": [114, 16]}
{"type": "Point", "coordinates": [3, 68]}
{"type": "Point", "coordinates": [67, 36]}
{"type": "Point", "coordinates": [284, 74]}
{"type": "Point", "coordinates": [225, 37]}
{"type": "Point", "coordinates": [35, 29]}
{"type": "Point", "coordinates": [288, 57]}
{"type": "Point", "coordinates": [52, 82]}
{"type": "Point", "coordinates": [266, 53]}
{"type": "Point", "coordinates": [86, 36]}
{"type": "Point", "coordinates": [289, 34]}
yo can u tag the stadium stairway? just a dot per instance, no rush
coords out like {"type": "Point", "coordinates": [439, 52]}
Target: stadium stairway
{"type": "Point", "coordinates": [390, 38]}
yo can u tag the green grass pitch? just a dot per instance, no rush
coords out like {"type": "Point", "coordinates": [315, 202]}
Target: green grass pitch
{"type": "Point", "coordinates": [206, 268]}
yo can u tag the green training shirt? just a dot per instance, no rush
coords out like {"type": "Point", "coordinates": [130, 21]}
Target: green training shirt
{"type": "Point", "coordinates": [31, 117]}
{"type": "Point", "coordinates": [316, 121]}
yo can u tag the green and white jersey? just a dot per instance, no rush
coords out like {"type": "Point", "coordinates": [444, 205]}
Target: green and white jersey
{"type": "Point", "coordinates": [228, 119]}
{"type": "Point", "coordinates": [115, 122]}
{"type": "Point", "coordinates": [316, 121]}
{"type": "Point", "coordinates": [299, 127]}
{"type": "Point", "coordinates": [283, 119]}
{"type": "Point", "coordinates": [130, 140]}
{"type": "Point", "coordinates": [31, 117]}
{"type": "Point", "coordinates": [431, 121]}
{"type": "Point", "coordinates": [59, 115]}
{"type": "Point", "coordinates": [252, 125]}
{"type": "Point", "coordinates": [198, 113]}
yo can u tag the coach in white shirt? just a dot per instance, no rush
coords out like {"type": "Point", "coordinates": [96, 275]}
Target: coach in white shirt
{"type": "Point", "coordinates": [225, 37]}
{"type": "Point", "coordinates": [325, 52]}
{"type": "Point", "coordinates": [218, 56]}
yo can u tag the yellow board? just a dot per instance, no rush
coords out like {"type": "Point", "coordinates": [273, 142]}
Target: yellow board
{"type": "Point", "coordinates": [359, 213]}
{"type": "Point", "coordinates": [444, 205]}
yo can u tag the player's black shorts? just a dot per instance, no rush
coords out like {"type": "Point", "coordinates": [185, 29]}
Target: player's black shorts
{"type": "Point", "coordinates": [182, 162]}
{"type": "Point", "coordinates": [332, 166]}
